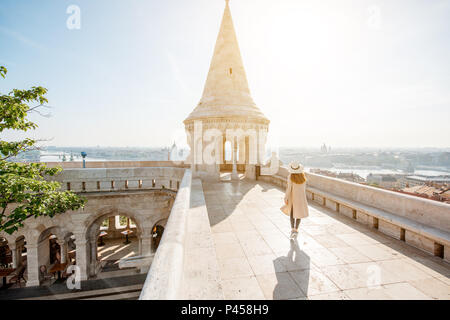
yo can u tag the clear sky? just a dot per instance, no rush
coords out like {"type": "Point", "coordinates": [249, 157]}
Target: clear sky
{"type": "Point", "coordinates": [347, 73]}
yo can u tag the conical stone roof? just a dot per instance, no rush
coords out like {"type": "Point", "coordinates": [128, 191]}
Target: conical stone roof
{"type": "Point", "coordinates": [226, 93]}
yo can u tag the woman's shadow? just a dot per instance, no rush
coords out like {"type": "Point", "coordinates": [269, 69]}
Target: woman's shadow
{"type": "Point", "coordinates": [297, 262]}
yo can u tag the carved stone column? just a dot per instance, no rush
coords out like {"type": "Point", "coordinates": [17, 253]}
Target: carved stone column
{"type": "Point", "coordinates": [63, 249]}
{"type": "Point", "coordinates": [82, 256]}
{"type": "Point", "coordinates": [13, 248]}
{"type": "Point", "coordinates": [93, 260]}
{"type": "Point", "coordinates": [32, 265]}
{"type": "Point", "coordinates": [234, 174]}
{"type": "Point", "coordinates": [112, 223]}
{"type": "Point", "coordinates": [146, 245]}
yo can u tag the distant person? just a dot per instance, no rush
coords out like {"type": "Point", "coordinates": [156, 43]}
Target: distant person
{"type": "Point", "coordinates": [57, 257]}
{"type": "Point", "coordinates": [296, 205]}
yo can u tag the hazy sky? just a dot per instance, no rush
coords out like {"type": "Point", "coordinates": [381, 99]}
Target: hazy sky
{"type": "Point", "coordinates": [347, 73]}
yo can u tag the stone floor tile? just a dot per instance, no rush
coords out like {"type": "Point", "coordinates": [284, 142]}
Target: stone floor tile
{"type": "Point", "coordinates": [329, 241]}
{"type": "Point", "coordinates": [354, 239]}
{"type": "Point", "coordinates": [349, 255]}
{"type": "Point", "coordinates": [344, 277]}
{"type": "Point", "coordinates": [429, 266]}
{"type": "Point", "coordinates": [229, 250]}
{"type": "Point", "coordinates": [243, 288]}
{"type": "Point", "coordinates": [255, 248]}
{"type": "Point", "coordinates": [294, 260]}
{"type": "Point", "coordinates": [313, 282]}
{"type": "Point", "coordinates": [266, 264]}
{"type": "Point", "coordinates": [279, 286]}
{"type": "Point", "coordinates": [371, 293]}
{"type": "Point", "coordinates": [403, 270]}
{"type": "Point", "coordinates": [234, 268]}
{"type": "Point", "coordinates": [322, 256]}
{"type": "Point", "coordinates": [241, 226]}
{"type": "Point", "coordinates": [248, 235]}
{"type": "Point", "coordinates": [338, 229]}
{"type": "Point", "coordinates": [221, 238]}
{"type": "Point", "coordinates": [377, 252]}
{"type": "Point", "coordinates": [374, 274]}
{"type": "Point", "coordinates": [223, 226]}
{"type": "Point", "coordinates": [433, 288]}
{"type": "Point", "coordinates": [404, 291]}
{"type": "Point", "coordinates": [338, 295]}
{"type": "Point", "coordinates": [315, 230]}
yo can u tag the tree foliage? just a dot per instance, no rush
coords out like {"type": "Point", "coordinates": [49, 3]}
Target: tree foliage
{"type": "Point", "coordinates": [24, 189]}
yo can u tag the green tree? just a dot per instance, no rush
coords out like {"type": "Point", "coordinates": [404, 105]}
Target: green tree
{"type": "Point", "coordinates": [24, 190]}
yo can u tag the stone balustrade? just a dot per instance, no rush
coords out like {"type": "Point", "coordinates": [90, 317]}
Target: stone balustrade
{"type": "Point", "coordinates": [419, 222]}
{"type": "Point", "coordinates": [120, 179]}
{"type": "Point", "coordinates": [185, 264]}
{"type": "Point", "coordinates": [117, 164]}
{"type": "Point", "coordinates": [164, 280]}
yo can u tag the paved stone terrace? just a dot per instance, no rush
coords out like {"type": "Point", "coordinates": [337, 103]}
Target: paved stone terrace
{"type": "Point", "coordinates": [333, 258]}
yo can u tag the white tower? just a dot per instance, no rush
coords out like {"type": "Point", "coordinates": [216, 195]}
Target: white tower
{"type": "Point", "coordinates": [226, 112]}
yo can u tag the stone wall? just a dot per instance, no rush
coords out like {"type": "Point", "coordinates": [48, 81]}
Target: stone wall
{"type": "Point", "coordinates": [166, 272]}
{"type": "Point", "coordinates": [428, 212]}
{"type": "Point", "coordinates": [185, 265]}
{"type": "Point", "coordinates": [119, 179]}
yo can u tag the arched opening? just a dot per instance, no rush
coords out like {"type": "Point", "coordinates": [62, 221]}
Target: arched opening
{"type": "Point", "coordinates": [5, 254]}
{"type": "Point", "coordinates": [112, 237]}
{"type": "Point", "coordinates": [157, 233]}
{"type": "Point", "coordinates": [56, 251]}
{"type": "Point", "coordinates": [13, 262]}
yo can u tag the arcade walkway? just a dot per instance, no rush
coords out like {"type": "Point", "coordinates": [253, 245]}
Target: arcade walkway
{"type": "Point", "coordinates": [334, 257]}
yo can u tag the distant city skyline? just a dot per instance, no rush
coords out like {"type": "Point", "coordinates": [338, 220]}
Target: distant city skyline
{"type": "Point", "coordinates": [350, 74]}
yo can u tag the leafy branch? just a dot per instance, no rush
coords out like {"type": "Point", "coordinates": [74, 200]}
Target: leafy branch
{"type": "Point", "coordinates": [25, 189]}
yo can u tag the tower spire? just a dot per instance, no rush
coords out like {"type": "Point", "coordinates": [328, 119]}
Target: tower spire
{"type": "Point", "coordinates": [226, 92]}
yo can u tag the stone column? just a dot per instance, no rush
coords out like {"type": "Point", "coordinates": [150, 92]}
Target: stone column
{"type": "Point", "coordinates": [194, 152]}
{"type": "Point", "coordinates": [13, 249]}
{"type": "Point", "coordinates": [112, 223]}
{"type": "Point", "coordinates": [32, 265]}
{"type": "Point", "coordinates": [242, 150]}
{"type": "Point", "coordinates": [146, 245]}
{"type": "Point", "coordinates": [63, 249]}
{"type": "Point", "coordinates": [234, 174]}
{"type": "Point", "coordinates": [82, 256]}
{"type": "Point", "coordinates": [145, 250]}
{"type": "Point", "coordinates": [224, 141]}
{"type": "Point", "coordinates": [93, 261]}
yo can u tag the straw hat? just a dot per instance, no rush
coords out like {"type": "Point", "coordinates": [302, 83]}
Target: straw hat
{"type": "Point", "coordinates": [295, 167]}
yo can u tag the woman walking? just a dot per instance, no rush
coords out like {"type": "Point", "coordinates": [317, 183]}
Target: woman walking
{"type": "Point", "coordinates": [295, 197]}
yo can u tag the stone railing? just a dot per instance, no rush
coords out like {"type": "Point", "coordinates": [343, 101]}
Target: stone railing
{"type": "Point", "coordinates": [117, 164]}
{"type": "Point", "coordinates": [185, 265]}
{"type": "Point", "coordinates": [120, 179]}
{"type": "Point", "coordinates": [419, 222]}
{"type": "Point", "coordinates": [164, 280]}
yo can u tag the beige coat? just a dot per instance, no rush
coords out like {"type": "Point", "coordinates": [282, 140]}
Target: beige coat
{"type": "Point", "coordinates": [296, 197]}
